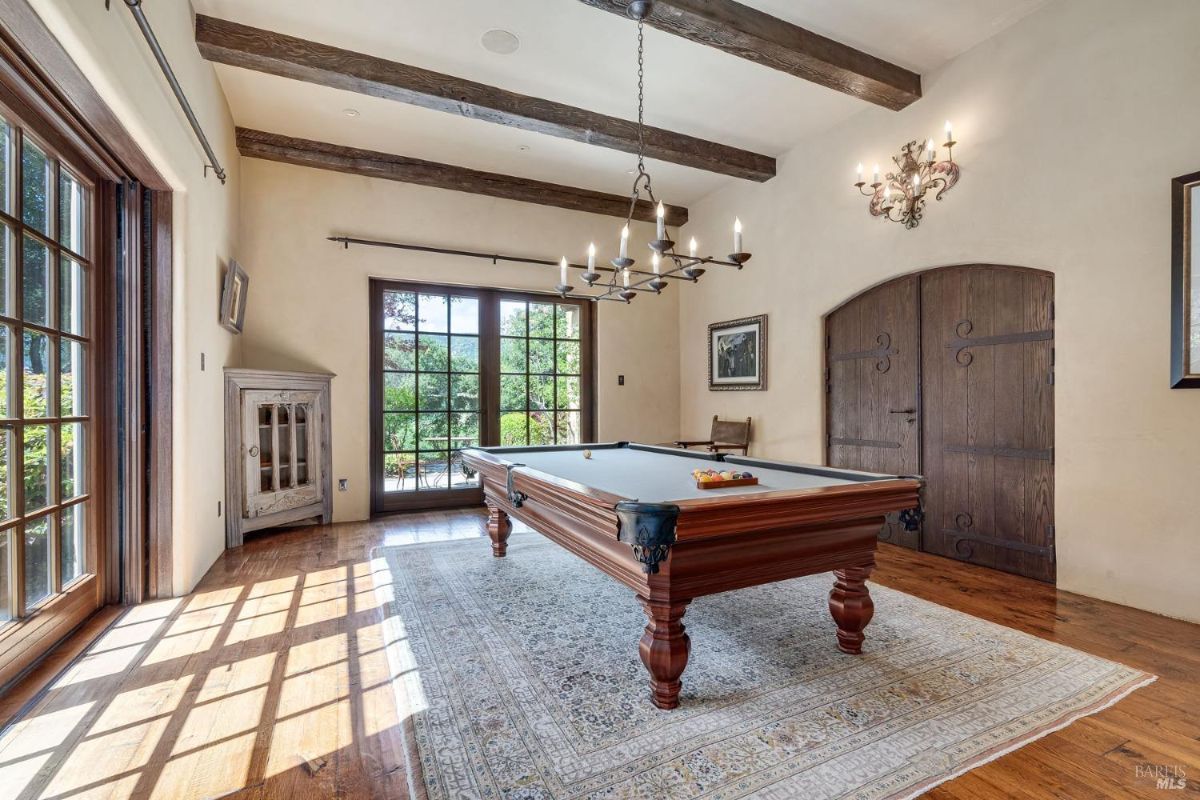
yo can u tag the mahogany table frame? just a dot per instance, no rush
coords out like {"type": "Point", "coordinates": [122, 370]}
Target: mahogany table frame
{"type": "Point", "coordinates": [671, 553]}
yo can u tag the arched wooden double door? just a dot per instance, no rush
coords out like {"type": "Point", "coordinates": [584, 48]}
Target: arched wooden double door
{"type": "Point", "coordinates": [950, 374]}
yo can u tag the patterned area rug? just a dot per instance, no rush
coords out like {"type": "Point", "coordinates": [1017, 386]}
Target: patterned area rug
{"type": "Point", "coordinates": [523, 681]}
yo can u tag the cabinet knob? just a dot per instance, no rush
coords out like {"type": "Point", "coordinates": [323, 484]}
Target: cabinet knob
{"type": "Point", "coordinates": [254, 451]}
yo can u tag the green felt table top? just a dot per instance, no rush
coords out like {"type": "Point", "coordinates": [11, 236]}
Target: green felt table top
{"type": "Point", "coordinates": [659, 476]}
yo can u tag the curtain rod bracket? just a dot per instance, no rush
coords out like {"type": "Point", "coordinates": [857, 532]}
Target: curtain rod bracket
{"type": "Point", "coordinates": [135, 8]}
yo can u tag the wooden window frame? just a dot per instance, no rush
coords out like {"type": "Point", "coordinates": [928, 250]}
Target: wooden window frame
{"type": "Point", "coordinates": [489, 375]}
{"type": "Point", "coordinates": [44, 89]}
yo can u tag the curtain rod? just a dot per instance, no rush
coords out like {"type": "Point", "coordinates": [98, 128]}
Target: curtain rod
{"type": "Point", "coordinates": [346, 241]}
{"type": "Point", "coordinates": [135, 7]}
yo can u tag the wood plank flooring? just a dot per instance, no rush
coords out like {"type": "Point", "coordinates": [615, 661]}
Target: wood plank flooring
{"type": "Point", "coordinates": [271, 681]}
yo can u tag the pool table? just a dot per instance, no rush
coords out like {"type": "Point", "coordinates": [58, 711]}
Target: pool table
{"type": "Point", "coordinates": [635, 512]}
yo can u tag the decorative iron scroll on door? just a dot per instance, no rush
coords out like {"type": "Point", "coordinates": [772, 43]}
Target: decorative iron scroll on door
{"type": "Point", "coordinates": [883, 353]}
{"type": "Point", "coordinates": [965, 539]}
{"type": "Point", "coordinates": [962, 330]}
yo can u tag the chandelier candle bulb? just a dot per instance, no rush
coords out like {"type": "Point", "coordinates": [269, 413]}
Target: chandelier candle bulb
{"type": "Point", "coordinates": [592, 257]}
{"type": "Point", "coordinates": [625, 276]}
{"type": "Point", "coordinates": [949, 134]}
{"type": "Point", "coordinates": [625, 242]}
{"type": "Point", "coordinates": [562, 271]}
{"type": "Point", "coordinates": [859, 172]}
{"type": "Point", "coordinates": [654, 262]}
{"type": "Point", "coordinates": [662, 221]}
{"type": "Point", "coordinates": [737, 235]}
{"type": "Point", "coordinates": [875, 176]}
{"type": "Point", "coordinates": [931, 151]}
{"type": "Point", "coordinates": [692, 247]}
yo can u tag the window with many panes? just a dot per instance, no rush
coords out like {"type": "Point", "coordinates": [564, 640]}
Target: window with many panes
{"type": "Point", "coordinates": [459, 368]}
{"type": "Point", "coordinates": [45, 352]}
{"type": "Point", "coordinates": [540, 373]}
{"type": "Point", "coordinates": [431, 396]}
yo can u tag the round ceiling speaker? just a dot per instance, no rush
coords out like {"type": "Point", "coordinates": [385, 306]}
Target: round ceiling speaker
{"type": "Point", "coordinates": [501, 42]}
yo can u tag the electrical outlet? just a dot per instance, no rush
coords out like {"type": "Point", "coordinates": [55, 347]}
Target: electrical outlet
{"type": "Point", "coordinates": [620, 380]}
{"type": "Point", "coordinates": [343, 484]}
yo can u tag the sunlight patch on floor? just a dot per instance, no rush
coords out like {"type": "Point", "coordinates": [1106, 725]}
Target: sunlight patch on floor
{"type": "Point", "coordinates": [93, 667]}
{"type": "Point", "coordinates": [220, 719]}
{"type": "Point", "coordinates": [216, 597]}
{"type": "Point", "coordinates": [182, 646]}
{"type": "Point", "coordinates": [96, 760]}
{"type": "Point", "coordinates": [309, 736]}
{"type": "Point", "coordinates": [211, 772]}
{"type": "Point", "coordinates": [152, 610]}
{"type": "Point", "coordinates": [34, 734]}
{"type": "Point", "coordinates": [141, 704]}
{"type": "Point", "coordinates": [263, 625]}
{"type": "Point", "coordinates": [16, 775]}
{"type": "Point", "coordinates": [239, 676]}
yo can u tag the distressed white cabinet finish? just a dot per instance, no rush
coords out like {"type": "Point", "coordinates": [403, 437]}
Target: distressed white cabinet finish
{"type": "Point", "coordinates": [277, 453]}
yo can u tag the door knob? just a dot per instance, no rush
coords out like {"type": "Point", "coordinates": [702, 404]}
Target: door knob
{"type": "Point", "coordinates": [254, 451]}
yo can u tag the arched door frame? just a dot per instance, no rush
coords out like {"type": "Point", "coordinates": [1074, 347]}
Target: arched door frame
{"type": "Point", "coordinates": [1011, 539]}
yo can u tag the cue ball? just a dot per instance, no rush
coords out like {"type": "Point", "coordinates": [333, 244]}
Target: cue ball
{"type": "Point", "coordinates": [587, 453]}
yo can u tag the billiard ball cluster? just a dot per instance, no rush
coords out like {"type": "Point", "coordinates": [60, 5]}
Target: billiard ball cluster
{"type": "Point", "coordinates": [713, 476]}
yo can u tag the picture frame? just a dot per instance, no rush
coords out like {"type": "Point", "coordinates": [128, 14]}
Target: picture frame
{"type": "Point", "coordinates": [233, 297]}
{"type": "Point", "coordinates": [737, 354]}
{"type": "Point", "coordinates": [1185, 282]}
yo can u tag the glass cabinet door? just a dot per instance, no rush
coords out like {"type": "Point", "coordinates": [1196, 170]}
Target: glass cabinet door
{"type": "Point", "coordinates": [280, 429]}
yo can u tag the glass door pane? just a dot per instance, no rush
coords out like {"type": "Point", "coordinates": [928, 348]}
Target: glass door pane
{"type": "Point", "coordinates": [430, 388]}
{"type": "Point", "coordinates": [541, 364]}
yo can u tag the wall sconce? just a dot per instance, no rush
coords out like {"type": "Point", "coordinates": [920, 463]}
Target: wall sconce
{"type": "Point", "coordinates": [900, 196]}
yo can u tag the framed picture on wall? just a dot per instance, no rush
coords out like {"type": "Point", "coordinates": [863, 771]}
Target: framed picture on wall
{"type": "Point", "coordinates": [233, 297]}
{"type": "Point", "coordinates": [1185, 282]}
{"type": "Point", "coordinates": [737, 354]}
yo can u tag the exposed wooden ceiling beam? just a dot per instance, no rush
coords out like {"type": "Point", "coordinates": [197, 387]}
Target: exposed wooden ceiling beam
{"type": "Point", "coordinates": [351, 160]}
{"type": "Point", "coordinates": [277, 54]}
{"type": "Point", "coordinates": [763, 39]}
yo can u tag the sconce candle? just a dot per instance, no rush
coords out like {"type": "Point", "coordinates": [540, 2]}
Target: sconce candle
{"type": "Point", "coordinates": [737, 235]}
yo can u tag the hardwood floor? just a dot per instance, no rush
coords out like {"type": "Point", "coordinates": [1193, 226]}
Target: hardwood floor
{"type": "Point", "coordinates": [271, 681]}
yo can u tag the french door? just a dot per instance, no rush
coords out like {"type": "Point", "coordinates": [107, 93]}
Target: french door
{"type": "Point", "coordinates": [48, 516]}
{"type": "Point", "coordinates": [457, 367]}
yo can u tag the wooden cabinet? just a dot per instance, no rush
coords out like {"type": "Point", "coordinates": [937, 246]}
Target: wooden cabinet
{"type": "Point", "coordinates": [277, 450]}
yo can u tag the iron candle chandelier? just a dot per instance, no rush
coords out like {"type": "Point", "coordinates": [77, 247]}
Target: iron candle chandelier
{"type": "Point", "coordinates": [664, 261]}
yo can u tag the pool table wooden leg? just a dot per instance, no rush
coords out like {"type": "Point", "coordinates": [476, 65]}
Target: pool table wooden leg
{"type": "Point", "coordinates": [851, 606]}
{"type": "Point", "coordinates": [498, 527]}
{"type": "Point", "coordinates": [664, 649]}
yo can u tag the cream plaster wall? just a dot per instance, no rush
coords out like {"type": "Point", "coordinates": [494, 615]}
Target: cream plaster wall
{"type": "Point", "coordinates": [308, 298]}
{"type": "Point", "coordinates": [109, 49]}
{"type": "Point", "coordinates": [1071, 124]}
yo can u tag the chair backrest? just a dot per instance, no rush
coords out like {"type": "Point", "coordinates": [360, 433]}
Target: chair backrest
{"type": "Point", "coordinates": [731, 432]}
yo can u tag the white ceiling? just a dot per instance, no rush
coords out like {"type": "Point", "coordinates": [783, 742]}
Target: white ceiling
{"type": "Point", "coordinates": [584, 57]}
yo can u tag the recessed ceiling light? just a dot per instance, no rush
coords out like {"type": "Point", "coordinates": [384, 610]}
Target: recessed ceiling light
{"type": "Point", "coordinates": [500, 42]}
{"type": "Point", "coordinates": [350, 112]}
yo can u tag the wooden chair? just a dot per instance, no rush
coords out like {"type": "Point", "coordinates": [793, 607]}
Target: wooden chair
{"type": "Point", "coordinates": [725, 435]}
